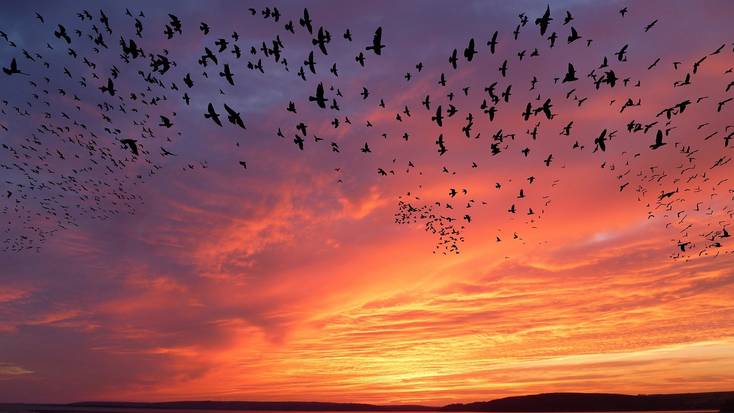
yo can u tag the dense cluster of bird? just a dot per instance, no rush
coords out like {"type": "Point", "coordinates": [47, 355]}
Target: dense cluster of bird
{"type": "Point", "coordinates": [81, 134]}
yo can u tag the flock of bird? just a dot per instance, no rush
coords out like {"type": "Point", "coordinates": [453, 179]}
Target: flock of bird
{"type": "Point", "coordinates": [78, 138]}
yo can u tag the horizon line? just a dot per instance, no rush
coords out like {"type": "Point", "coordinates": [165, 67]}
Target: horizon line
{"type": "Point", "coordinates": [90, 403]}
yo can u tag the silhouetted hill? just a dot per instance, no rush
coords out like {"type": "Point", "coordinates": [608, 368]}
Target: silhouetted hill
{"type": "Point", "coordinates": [728, 407]}
{"type": "Point", "coordinates": [588, 402]}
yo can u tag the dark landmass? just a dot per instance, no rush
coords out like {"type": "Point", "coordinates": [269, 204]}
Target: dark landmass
{"type": "Point", "coordinates": [728, 407]}
{"type": "Point", "coordinates": [547, 402]}
{"type": "Point", "coordinates": [599, 402]}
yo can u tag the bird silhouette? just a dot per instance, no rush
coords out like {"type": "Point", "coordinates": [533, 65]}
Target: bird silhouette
{"type": "Point", "coordinates": [213, 115]}
{"type": "Point", "coordinates": [658, 140]}
{"type": "Point", "coordinates": [376, 45]}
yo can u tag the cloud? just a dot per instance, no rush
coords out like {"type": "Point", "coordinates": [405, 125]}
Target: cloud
{"type": "Point", "coordinates": [8, 294]}
{"type": "Point", "coordinates": [360, 208]}
{"type": "Point", "coordinates": [8, 371]}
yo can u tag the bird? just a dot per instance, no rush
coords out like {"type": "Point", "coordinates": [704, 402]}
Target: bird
{"type": "Point", "coordinates": [165, 122]}
{"type": "Point", "coordinates": [570, 74]}
{"type": "Point", "coordinates": [227, 74]}
{"type": "Point", "coordinates": [548, 160]}
{"type": "Point", "coordinates": [601, 141]}
{"type": "Point", "coordinates": [573, 36]}
{"type": "Point", "coordinates": [322, 38]}
{"type": "Point", "coordinates": [651, 25]}
{"type": "Point", "coordinates": [305, 21]}
{"type": "Point", "coordinates": [543, 21]}
{"type": "Point", "coordinates": [298, 141]}
{"type": "Point", "coordinates": [13, 69]}
{"type": "Point", "coordinates": [658, 140]}
{"type": "Point", "coordinates": [132, 144]}
{"type": "Point", "coordinates": [60, 33]}
{"type": "Point", "coordinates": [376, 45]}
{"type": "Point", "coordinates": [188, 81]}
{"type": "Point", "coordinates": [470, 51]}
{"type": "Point", "coordinates": [234, 117]}
{"type": "Point", "coordinates": [213, 115]}
{"type": "Point", "coordinates": [109, 87]}
{"type": "Point", "coordinates": [492, 43]}
{"type": "Point", "coordinates": [441, 146]}
{"type": "Point", "coordinates": [319, 98]}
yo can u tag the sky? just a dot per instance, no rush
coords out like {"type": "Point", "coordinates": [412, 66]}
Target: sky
{"type": "Point", "coordinates": [290, 280]}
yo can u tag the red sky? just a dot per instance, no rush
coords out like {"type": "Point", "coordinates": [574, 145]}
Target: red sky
{"type": "Point", "coordinates": [278, 283]}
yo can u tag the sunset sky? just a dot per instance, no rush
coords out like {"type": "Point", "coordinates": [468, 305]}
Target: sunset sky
{"type": "Point", "coordinates": [277, 282]}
